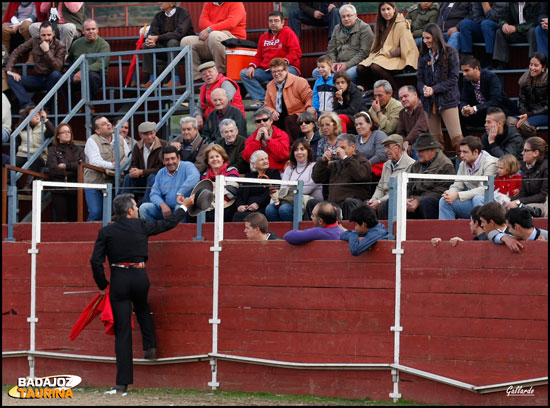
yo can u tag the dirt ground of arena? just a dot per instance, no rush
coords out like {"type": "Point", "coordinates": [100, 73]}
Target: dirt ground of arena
{"type": "Point", "coordinates": [170, 397]}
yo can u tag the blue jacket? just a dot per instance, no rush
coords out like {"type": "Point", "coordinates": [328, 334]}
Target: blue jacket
{"type": "Point", "coordinates": [323, 94]}
{"type": "Point", "coordinates": [446, 93]}
{"type": "Point", "coordinates": [493, 92]}
{"type": "Point", "coordinates": [167, 186]}
{"type": "Point", "coordinates": [372, 236]}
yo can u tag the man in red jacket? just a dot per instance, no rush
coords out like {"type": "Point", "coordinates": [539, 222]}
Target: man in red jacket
{"type": "Point", "coordinates": [272, 140]}
{"type": "Point", "coordinates": [278, 42]}
{"type": "Point", "coordinates": [219, 21]}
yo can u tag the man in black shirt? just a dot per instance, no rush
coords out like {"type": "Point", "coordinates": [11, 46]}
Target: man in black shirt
{"type": "Point", "coordinates": [125, 243]}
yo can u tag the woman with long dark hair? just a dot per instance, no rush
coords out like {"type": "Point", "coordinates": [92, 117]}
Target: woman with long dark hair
{"type": "Point", "coordinates": [392, 51]}
{"type": "Point", "coordinates": [300, 168]}
{"type": "Point", "coordinates": [437, 83]}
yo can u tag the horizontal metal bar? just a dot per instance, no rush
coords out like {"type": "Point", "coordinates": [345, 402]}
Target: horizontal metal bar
{"type": "Point", "coordinates": [446, 177]}
{"type": "Point", "coordinates": [434, 377]}
{"type": "Point", "coordinates": [302, 366]}
{"type": "Point", "coordinates": [265, 181]}
{"type": "Point", "coordinates": [74, 185]}
{"type": "Point", "coordinates": [103, 359]}
{"type": "Point", "coordinates": [484, 389]}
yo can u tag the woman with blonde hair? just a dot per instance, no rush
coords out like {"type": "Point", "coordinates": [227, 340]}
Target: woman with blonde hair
{"type": "Point", "coordinates": [331, 127]}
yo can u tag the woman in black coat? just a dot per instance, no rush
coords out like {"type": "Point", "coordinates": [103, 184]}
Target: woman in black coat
{"type": "Point", "coordinates": [437, 76]}
{"type": "Point", "coordinates": [347, 100]}
{"type": "Point", "coordinates": [63, 160]}
{"type": "Point", "coordinates": [533, 96]}
{"type": "Point", "coordinates": [255, 198]}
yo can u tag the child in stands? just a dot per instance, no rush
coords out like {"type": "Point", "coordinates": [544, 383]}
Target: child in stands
{"type": "Point", "coordinates": [323, 90]}
{"type": "Point", "coordinates": [508, 180]}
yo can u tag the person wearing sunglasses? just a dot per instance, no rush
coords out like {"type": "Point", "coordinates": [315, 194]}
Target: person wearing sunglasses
{"type": "Point", "coordinates": [269, 138]}
{"type": "Point", "coordinates": [309, 131]}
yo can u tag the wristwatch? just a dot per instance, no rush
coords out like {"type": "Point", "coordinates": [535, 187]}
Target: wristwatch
{"type": "Point", "coordinates": [518, 203]}
{"type": "Point", "coordinates": [209, 29]}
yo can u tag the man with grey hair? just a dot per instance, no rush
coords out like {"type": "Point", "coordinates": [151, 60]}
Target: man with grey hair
{"type": "Point", "coordinates": [190, 144]}
{"type": "Point", "coordinates": [349, 44]}
{"type": "Point", "coordinates": [222, 110]}
{"type": "Point", "coordinates": [412, 118]}
{"type": "Point", "coordinates": [233, 143]}
{"type": "Point", "coordinates": [124, 243]}
{"type": "Point", "coordinates": [398, 162]}
{"type": "Point", "coordinates": [385, 109]}
{"type": "Point", "coordinates": [347, 174]}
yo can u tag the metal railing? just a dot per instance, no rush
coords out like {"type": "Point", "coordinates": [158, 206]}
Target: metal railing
{"type": "Point", "coordinates": [152, 94]}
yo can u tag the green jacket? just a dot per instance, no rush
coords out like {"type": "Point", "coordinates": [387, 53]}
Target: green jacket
{"type": "Point", "coordinates": [389, 120]}
{"type": "Point", "coordinates": [420, 17]}
{"type": "Point", "coordinates": [353, 47]}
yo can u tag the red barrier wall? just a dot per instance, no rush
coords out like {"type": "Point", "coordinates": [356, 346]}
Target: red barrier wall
{"type": "Point", "coordinates": [475, 313]}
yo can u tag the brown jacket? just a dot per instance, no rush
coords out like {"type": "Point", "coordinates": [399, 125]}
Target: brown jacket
{"type": "Point", "coordinates": [297, 95]}
{"type": "Point", "coordinates": [44, 62]}
{"type": "Point", "coordinates": [154, 161]}
{"type": "Point", "coordinates": [400, 36]}
{"type": "Point", "coordinates": [348, 178]}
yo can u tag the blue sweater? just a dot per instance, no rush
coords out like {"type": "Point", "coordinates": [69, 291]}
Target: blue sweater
{"type": "Point", "coordinates": [316, 233]}
{"type": "Point", "coordinates": [167, 186]}
{"type": "Point", "coordinates": [370, 238]}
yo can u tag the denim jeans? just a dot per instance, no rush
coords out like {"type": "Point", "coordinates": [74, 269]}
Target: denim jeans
{"type": "Point", "coordinates": [542, 40]}
{"type": "Point", "coordinates": [152, 212]}
{"type": "Point", "coordinates": [33, 83]}
{"type": "Point", "coordinates": [140, 185]}
{"type": "Point", "coordinates": [460, 209]}
{"type": "Point", "coordinates": [94, 200]}
{"type": "Point", "coordinates": [284, 213]}
{"type": "Point", "coordinates": [297, 17]}
{"type": "Point", "coordinates": [254, 85]}
{"type": "Point", "coordinates": [352, 72]}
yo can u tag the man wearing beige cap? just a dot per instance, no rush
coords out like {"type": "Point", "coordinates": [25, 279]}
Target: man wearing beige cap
{"type": "Point", "coordinates": [214, 80]}
{"type": "Point", "coordinates": [146, 162]}
{"type": "Point", "coordinates": [398, 162]}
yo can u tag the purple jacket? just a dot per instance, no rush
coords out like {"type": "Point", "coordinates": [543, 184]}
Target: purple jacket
{"type": "Point", "coordinates": [316, 233]}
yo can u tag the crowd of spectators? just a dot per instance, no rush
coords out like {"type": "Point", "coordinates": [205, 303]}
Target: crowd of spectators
{"type": "Point", "coordinates": [345, 136]}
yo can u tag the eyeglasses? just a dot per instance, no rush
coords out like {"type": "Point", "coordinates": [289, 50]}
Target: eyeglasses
{"type": "Point", "coordinates": [527, 150]}
{"type": "Point", "coordinates": [261, 120]}
{"type": "Point", "coordinates": [306, 122]}
{"type": "Point", "coordinates": [278, 71]}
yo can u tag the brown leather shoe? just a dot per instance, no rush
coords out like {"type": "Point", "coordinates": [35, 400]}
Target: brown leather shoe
{"type": "Point", "coordinates": [150, 354]}
{"type": "Point", "coordinates": [169, 84]}
{"type": "Point", "coordinates": [146, 84]}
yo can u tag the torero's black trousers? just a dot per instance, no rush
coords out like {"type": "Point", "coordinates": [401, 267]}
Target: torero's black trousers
{"type": "Point", "coordinates": [130, 286]}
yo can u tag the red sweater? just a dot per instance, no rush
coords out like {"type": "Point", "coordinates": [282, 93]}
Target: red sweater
{"type": "Point", "coordinates": [230, 16]}
{"type": "Point", "coordinates": [284, 45]}
{"type": "Point", "coordinates": [277, 148]}
{"type": "Point", "coordinates": [206, 96]}
{"type": "Point", "coordinates": [508, 185]}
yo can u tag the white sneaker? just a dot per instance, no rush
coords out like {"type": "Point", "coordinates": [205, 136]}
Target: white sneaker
{"type": "Point", "coordinates": [257, 105]}
{"type": "Point", "coordinates": [118, 390]}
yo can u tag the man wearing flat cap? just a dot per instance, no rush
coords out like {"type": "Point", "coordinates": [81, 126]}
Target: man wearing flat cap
{"type": "Point", "coordinates": [146, 162]}
{"type": "Point", "coordinates": [214, 80]}
{"type": "Point", "coordinates": [423, 195]}
{"type": "Point", "coordinates": [398, 162]}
